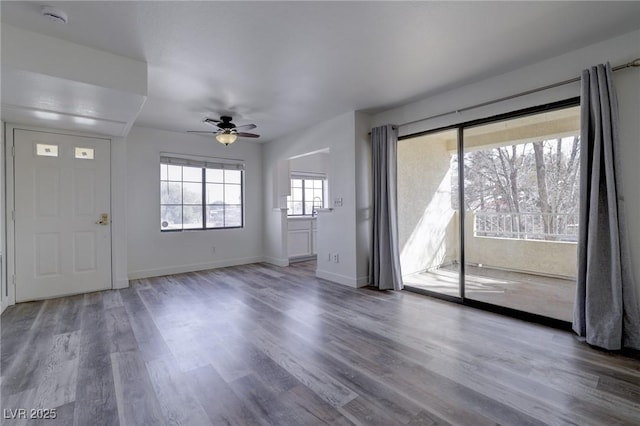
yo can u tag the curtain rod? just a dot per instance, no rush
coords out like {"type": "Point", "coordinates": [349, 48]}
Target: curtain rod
{"type": "Point", "coordinates": [632, 64]}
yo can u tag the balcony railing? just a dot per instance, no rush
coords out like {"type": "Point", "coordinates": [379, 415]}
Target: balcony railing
{"type": "Point", "coordinates": [527, 226]}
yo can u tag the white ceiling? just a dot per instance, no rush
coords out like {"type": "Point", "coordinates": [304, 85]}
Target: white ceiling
{"type": "Point", "coordinates": [287, 65]}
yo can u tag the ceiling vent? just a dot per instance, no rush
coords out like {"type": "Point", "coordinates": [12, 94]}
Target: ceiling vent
{"type": "Point", "coordinates": [55, 15]}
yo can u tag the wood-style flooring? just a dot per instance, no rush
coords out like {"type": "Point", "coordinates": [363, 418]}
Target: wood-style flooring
{"type": "Point", "coordinates": [262, 345]}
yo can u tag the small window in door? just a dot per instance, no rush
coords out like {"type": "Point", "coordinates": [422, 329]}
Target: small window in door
{"type": "Point", "coordinates": [44, 150]}
{"type": "Point", "coordinates": [84, 153]}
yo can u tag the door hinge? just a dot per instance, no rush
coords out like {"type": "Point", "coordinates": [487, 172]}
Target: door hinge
{"type": "Point", "coordinates": [13, 215]}
{"type": "Point", "coordinates": [13, 150]}
{"type": "Point", "coordinates": [13, 280]}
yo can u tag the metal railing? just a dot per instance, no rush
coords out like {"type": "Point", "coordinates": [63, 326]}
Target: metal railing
{"type": "Point", "coordinates": [527, 226]}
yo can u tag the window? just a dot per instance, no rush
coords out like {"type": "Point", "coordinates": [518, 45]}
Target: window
{"type": "Point", "coordinates": [43, 150]}
{"type": "Point", "coordinates": [307, 195]}
{"type": "Point", "coordinates": [84, 153]}
{"type": "Point", "coordinates": [200, 194]}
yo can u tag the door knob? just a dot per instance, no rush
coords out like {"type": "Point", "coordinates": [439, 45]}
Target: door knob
{"type": "Point", "coordinates": [104, 219]}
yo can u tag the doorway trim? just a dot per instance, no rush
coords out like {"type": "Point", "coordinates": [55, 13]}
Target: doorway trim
{"type": "Point", "coordinates": [118, 237]}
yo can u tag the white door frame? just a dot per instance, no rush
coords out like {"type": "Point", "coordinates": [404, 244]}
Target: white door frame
{"type": "Point", "coordinates": [10, 284]}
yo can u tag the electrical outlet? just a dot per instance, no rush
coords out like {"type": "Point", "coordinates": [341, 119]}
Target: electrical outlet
{"type": "Point", "coordinates": [336, 258]}
{"type": "Point", "coordinates": [328, 257]}
{"type": "Point", "coordinates": [337, 202]}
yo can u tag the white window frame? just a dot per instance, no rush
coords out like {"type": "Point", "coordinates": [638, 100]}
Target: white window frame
{"type": "Point", "coordinates": [304, 177]}
{"type": "Point", "coordinates": [204, 163]}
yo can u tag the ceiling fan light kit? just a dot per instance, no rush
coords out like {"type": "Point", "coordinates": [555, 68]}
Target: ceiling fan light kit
{"type": "Point", "coordinates": [227, 132]}
{"type": "Point", "coordinates": [226, 138]}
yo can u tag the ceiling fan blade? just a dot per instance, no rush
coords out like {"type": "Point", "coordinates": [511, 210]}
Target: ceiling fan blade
{"type": "Point", "coordinates": [247, 135]}
{"type": "Point", "coordinates": [211, 120]}
{"type": "Point", "coordinates": [246, 127]}
{"type": "Point", "coordinates": [198, 131]}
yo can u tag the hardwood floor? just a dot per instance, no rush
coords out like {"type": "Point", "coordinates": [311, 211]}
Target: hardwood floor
{"type": "Point", "coordinates": [263, 345]}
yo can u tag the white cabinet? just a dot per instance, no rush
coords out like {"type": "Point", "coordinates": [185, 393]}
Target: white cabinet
{"type": "Point", "coordinates": [302, 234]}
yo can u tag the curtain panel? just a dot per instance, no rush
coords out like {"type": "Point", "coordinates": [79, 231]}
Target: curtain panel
{"type": "Point", "coordinates": [384, 263]}
{"type": "Point", "coordinates": [606, 308]}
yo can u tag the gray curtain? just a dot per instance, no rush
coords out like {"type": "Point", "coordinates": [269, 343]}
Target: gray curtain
{"type": "Point", "coordinates": [606, 308]}
{"type": "Point", "coordinates": [384, 263]}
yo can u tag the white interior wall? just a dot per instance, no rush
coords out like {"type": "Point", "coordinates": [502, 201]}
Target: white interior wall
{"type": "Point", "coordinates": [617, 51]}
{"type": "Point", "coordinates": [312, 163]}
{"type": "Point", "coordinates": [363, 196]}
{"type": "Point", "coordinates": [153, 253]}
{"type": "Point", "coordinates": [336, 228]}
{"type": "Point", "coordinates": [119, 213]}
{"type": "Point", "coordinates": [4, 301]}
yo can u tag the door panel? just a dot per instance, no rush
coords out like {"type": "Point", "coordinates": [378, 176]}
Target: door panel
{"type": "Point", "coordinates": [62, 188]}
{"type": "Point", "coordinates": [428, 222]}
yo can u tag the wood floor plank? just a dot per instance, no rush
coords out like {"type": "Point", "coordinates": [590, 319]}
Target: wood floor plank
{"type": "Point", "coordinates": [178, 403]}
{"type": "Point", "coordinates": [119, 331]}
{"type": "Point", "coordinates": [150, 342]}
{"type": "Point", "coordinates": [137, 402]}
{"type": "Point", "coordinates": [217, 398]}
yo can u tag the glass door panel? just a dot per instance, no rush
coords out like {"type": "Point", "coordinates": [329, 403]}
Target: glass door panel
{"type": "Point", "coordinates": [428, 219]}
{"type": "Point", "coordinates": [521, 183]}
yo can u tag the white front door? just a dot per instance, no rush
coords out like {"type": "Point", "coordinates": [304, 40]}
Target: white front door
{"type": "Point", "coordinates": [62, 215]}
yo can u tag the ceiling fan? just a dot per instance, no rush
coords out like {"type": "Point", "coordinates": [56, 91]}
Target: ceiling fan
{"type": "Point", "coordinates": [228, 132]}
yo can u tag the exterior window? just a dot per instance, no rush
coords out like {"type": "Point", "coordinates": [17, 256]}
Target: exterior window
{"type": "Point", "coordinates": [307, 195]}
{"type": "Point", "coordinates": [199, 194]}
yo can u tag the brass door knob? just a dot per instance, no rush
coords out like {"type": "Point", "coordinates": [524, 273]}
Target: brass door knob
{"type": "Point", "coordinates": [104, 219]}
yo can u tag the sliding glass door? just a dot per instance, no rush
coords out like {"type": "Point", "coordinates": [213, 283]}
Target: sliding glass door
{"type": "Point", "coordinates": [521, 212]}
{"type": "Point", "coordinates": [517, 225]}
{"type": "Point", "coordinates": [428, 219]}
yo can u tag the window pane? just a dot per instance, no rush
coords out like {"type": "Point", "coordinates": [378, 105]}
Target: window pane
{"type": "Point", "coordinates": [215, 216]}
{"type": "Point", "coordinates": [232, 176]}
{"type": "Point", "coordinates": [233, 216]}
{"type": "Point", "coordinates": [308, 207]}
{"type": "Point", "coordinates": [296, 183]}
{"type": "Point", "coordinates": [192, 193]}
{"type": "Point", "coordinates": [192, 174]}
{"type": "Point", "coordinates": [289, 207]}
{"type": "Point", "coordinates": [297, 207]}
{"type": "Point", "coordinates": [170, 217]}
{"type": "Point", "coordinates": [84, 153]}
{"type": "Point", "coordinates": [163, 172]}
{"type": "Point", "coordinates": [175, 172]}
{"type": "Point", "coordinates": [296, 194]}
{"type": "Point", "coordinates": [192, 217]}
{"type": "Point", "coordinates": [308, 194]}
{"type": "Point", "coordinates": [214, 175]}
{"type": "Point", "coordinates": [171, 193]}
{"type": "Point", "coordinates": [215, 193]}
{"type": "Point", "coordinates": [44, 150]}
{"type": "Point", "coordinates": [232, 194]}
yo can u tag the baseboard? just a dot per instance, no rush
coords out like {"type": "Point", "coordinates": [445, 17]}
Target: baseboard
{"type": "Point", "coordinates": [276, 261]}
{"type": "Point", "coordinates": [302, 258]}
{"type": "Point", "coordinates": [362, 281]}
{"type": "Point", "coordinates": [148, 273]}
{"type": "Point", "coordinates": [117, 284]}
{"type": "Point", "coordinates": [337, 278]}
{"type": "Point", "coordinates": [4, 305]}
